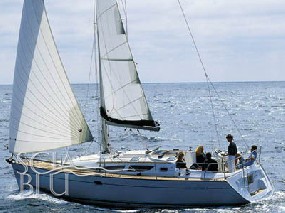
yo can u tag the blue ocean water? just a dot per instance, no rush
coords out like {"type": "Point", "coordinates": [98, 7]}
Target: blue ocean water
{"type": "Point", "coordinates": [254, 112]}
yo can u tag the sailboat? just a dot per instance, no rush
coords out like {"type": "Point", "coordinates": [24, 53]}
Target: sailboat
{"type": "Point", "coordinates": [46, 116]}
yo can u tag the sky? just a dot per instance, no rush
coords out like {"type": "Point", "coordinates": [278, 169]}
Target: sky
{"type": "Point", "coordinates": [238, 40]}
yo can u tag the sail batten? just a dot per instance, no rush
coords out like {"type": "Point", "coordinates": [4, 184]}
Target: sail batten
{"type": "Point", "coordinates": [44, 113]}
{"type": "Point", "coordinates": [124, 102]}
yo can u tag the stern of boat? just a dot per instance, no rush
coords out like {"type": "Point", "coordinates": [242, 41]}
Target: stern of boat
{"type": "Point", "coordinates": [251, 183]}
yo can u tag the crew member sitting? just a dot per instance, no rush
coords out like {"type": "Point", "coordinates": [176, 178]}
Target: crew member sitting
{"type": "Point", "coordinates": [180, 163]}
{"type": "Point", "coordinates": [200, 158]}
{"type": "Point", "coordinates": [210, 164]}
{"type": "Point", "coordinates": [252, 157]}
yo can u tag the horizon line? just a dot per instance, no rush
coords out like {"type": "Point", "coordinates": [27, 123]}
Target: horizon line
{"type": "Point", "coordinates": [182, 82]}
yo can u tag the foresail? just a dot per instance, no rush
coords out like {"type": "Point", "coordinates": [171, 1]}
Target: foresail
{"type": "Point", "coordinates": [44, 114]}
{"type": "Point", "coordinates": [124, 102]}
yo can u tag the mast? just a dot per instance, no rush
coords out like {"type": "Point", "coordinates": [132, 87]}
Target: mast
{"type": "Point", "coordinates": [104, 145]}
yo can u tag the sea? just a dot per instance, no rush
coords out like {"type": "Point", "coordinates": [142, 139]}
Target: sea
{"type": "Point", "coordinates": [190, 114]}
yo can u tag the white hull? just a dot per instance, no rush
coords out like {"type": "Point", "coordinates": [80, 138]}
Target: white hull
{"type": "Point", "coordinates": [123, 191]}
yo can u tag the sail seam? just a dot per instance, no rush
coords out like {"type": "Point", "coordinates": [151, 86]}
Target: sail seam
{"type": "Point", "coordinates": [118, 46]}
{"type": "Point", "coordinates": [40, 30]}
{"type": "Point", "coordinates": [64, 143]}
{"type": "Point", "coordinates": [99, 15]}
{"type": "Point", "coordinates": [73, 99]}
{"type": "Point", "coordinates": [39, 100]}
{"type": "Point", "coordinates": [37, 135]}
{"type": "Point", "coordinates": [134, 100]}
{"type": "Point", "coordinates": [108, 66]}
{"type": "Point", "coordinates": [43, 96]}
{"type": "Point", "coordinates": [113, 59]}
{"type": "Point", "coordinates": [62, 110]}
{"type": "Point", "coordinates": [43, 130]}
{"type": "Point", "coordinates": [113, 90]}
{"type": "Point", "coordinates": [34, 127]}
{"type": "Point", "coordinates": [42, 110]}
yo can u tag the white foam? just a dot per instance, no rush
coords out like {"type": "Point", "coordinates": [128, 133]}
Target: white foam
{"type": "Point", "coordinates": [28, 195]}
{"type": "Point", "coordinates": [278, 195]}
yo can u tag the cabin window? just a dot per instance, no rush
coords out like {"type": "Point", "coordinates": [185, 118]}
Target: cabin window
{"type": "Point", "coordinates": [164, 169]}
{"type": "Point", "coordinates": [140, 168]}
{"type": "Point", "coordinates": [114, 167]}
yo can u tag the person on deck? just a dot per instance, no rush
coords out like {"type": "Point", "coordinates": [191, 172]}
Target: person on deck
{"type": "Point", "coordinates": [180, 163]}
{"type": "Point", "coordinates": [251, 159]}
{"type": "Point", "coordinates": [200, 158]}
{"type": "Point", "coordinates": [210, 164]}
{"type": "Point", "coordinates": [232, 152]}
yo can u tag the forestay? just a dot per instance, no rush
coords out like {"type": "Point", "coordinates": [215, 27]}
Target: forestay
{"type": "Point", "coordinates": [45, 114]}
{"type": "Point", "coordinates": [123, 101]}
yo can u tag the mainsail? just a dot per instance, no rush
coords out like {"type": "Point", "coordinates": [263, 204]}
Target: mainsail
{"type": "Point", "coordinates": [123, 101]}
{"type": "Point", "coordinates": [45, 114]}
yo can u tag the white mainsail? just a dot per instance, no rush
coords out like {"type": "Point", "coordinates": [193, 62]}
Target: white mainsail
{"type": "Point", "coordinates": [123, 101]}
{"type": "Point", "coordinates": [45, 114]}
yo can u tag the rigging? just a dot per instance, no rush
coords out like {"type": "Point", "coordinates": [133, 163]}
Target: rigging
{"type": "Point", "coordinates": [209, 82]}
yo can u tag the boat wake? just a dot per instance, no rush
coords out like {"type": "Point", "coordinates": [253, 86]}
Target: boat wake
{"type": "Point", "coordinates": [28, 195]}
